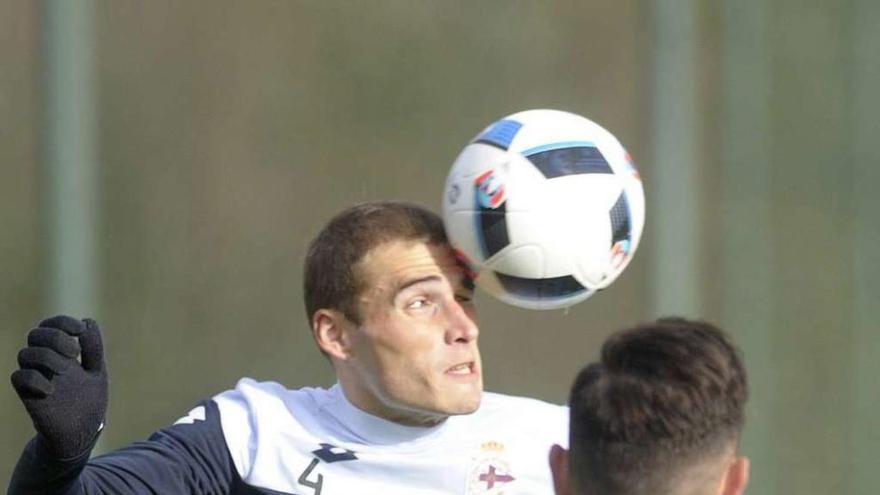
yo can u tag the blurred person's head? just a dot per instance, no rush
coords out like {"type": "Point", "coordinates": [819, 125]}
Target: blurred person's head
{"type": "Point", "coordinates": [392, 308]}
{"type": "Point", "coordinates": [660, 414]}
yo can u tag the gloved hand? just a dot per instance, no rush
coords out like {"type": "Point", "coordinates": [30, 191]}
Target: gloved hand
{"type": "Point", "coordinates": [66, 397]}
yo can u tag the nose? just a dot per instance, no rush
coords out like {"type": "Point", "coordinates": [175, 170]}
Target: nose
{"type": "Point", "coordinates": [461, 325]}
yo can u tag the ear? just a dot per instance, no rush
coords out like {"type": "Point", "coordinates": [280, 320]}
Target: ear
{"type": "Point", "coordinates": [736, 477]}
{"type": "Point", "coordinates": [331, 331]}
{"type": "Point", "coordinates": [559, 468]}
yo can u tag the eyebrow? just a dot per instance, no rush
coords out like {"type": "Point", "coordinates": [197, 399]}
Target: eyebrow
{"type": "Point", "coordinates": [416, 281]}
{"type": "Point", "coordinates": [466, 283]}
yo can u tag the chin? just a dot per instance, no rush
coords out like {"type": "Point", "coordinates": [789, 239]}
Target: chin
{"type": "Point", "coordinates": [466, 410]}
{"type": "Point", "coordinates": [465, 406]}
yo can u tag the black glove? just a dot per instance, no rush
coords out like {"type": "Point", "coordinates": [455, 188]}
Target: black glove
{"type": "Point", "coordinates": [65, 397]}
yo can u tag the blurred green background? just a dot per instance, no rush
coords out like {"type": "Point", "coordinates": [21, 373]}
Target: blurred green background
{"type": "Point", "coordinates": [217, 137]}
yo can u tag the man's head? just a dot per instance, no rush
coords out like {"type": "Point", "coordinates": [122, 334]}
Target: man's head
{"type": "Point", "coordinates": [659, 414]}
{"type": "Point", "coordinates": [392, 308]}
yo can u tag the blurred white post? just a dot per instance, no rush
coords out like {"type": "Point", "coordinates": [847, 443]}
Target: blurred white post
{"type": "Point", "coordinates": [70, 155]}
{"type": "Point", "coordinates": [673, 201]}
{"type": "Point", "coordinates": [746, 249]}
{"type": "Point", "coordinates": [864, 431]}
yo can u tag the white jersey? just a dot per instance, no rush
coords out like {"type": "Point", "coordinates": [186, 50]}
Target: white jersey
{"type": "Point", "coordinates": [262, 439]}
{"type": "Point", "coordinates": [313, 441]}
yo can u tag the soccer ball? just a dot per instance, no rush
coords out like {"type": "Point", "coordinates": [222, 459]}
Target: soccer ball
{"type": "Point", "coordinates": [545, 208]}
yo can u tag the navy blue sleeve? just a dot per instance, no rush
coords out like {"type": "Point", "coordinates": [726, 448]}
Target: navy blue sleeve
{"type": "Point", "coordinates": [189, 457]}
{"type": "Point", "coordinates": [39, 472]}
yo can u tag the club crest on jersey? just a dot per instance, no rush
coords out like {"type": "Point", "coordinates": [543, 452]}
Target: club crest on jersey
{"type": "Point", "coordinates": [490, 473]}
{"type": "Point", "coordinates": [490, 189]}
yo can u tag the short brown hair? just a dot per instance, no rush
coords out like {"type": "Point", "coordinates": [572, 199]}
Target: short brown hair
{"type": "Point", "coordinates": [663, 396]}
{"type": "Point", "coordinates": [330, 280]}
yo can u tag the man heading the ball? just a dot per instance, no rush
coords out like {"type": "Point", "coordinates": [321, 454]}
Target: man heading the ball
{"type": "Point", "coordinates": [660, 414]}
{"type": "Point", "coordinates": [392, 309]}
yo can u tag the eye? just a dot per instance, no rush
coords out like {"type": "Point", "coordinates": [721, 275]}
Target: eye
{"type": "Point", "coordinates": [418, 303]}
{"type": "Point", "coordinates": [464, 298]}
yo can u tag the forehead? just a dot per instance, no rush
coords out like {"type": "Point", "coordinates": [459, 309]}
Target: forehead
{"type": "Point", "coordinates": [399, 260]}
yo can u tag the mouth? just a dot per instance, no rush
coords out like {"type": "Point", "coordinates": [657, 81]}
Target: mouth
{"type": "Point", "coordinates": [463, 369]}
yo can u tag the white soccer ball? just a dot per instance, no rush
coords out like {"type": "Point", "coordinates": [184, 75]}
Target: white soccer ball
{"type": "Point", "coordinates": [546, 208]}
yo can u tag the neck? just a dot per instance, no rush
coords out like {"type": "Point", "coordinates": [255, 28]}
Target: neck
{"type": "Point", "coordinates": [365, 427]}
{"type": "Point", "coordinates": [409, 418]}
{"type": "Point", "coordinates": [369, 403]}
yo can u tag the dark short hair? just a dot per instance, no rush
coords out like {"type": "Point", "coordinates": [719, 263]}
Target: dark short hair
{"type": "Point", "coordinates": [330, 277]}
{"type": "Point", "coordinates": [663, 396]}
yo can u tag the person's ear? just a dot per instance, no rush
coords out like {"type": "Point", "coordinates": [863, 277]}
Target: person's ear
{"type": "Point", "coordinates": [331, 330]}
{"type": "Point", "coordinates": [736, 477]}
{"type": "Point", "coordinates": [559, 468]}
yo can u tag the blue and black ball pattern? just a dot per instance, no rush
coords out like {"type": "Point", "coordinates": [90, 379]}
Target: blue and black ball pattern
{"type": "Point", "coordinates": [570, 160]}
{"type": "Point", "coordinates": [540, 288]}
{"type": "Point", "coordinates": [554, 160]}
{"type": "Point", "coordinates": [621, 227]}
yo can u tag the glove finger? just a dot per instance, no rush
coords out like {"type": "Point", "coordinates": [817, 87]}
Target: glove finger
{"type": "Point", "coordinates": [68, 324]}
{"type": "Point", "coordinates": [54, 339]}
{"type": "Point", "coordinates": [92, 346]}
{"type": "Point", "coordinates": [31, 384]}
{"type": "Point", "coordinates": [44, 360]}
